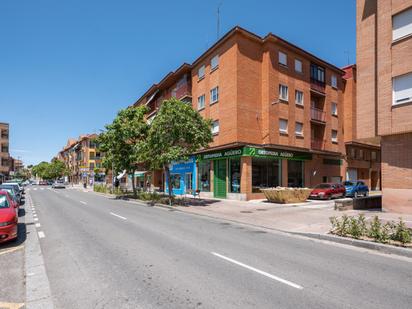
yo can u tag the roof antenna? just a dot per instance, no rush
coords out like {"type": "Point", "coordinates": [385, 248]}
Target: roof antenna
{"type": "Point", "coordinates": [218, 19]}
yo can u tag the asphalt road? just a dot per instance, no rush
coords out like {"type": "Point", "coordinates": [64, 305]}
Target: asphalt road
{"type": "Point", "coordinates": [107, 253]}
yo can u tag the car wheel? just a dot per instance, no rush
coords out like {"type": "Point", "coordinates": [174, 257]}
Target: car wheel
{"type": "Point", "coordinates": [356, 195]}
{"type": "Point", "coordinates": [366, 193]}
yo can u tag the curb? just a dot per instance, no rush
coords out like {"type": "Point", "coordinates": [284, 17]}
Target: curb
{"type": "Point", "coordinates": [388, 249]}
{"type": "Point", "coordinates": [38, 294]}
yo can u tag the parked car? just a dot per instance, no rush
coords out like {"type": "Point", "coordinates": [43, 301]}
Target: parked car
{"type": "Point", "coordinates": [20, 188]}
{"type": "Point", "coordinates": [12, 194]}
{"type": "Point", "coordinates": [356, 188]}
{"type": "Point", "coordinates": [43, 183]}
{"type": "Point", "coordinates": [8, 218]}
{"type": "Point", "coordinates": [327, 191]}
{"type": "Point", "coordinates": [16, 190]}
{"type": "Point", "coordinates": [59, 184]}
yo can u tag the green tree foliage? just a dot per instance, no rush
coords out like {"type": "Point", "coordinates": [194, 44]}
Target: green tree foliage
{"type": "Point", "coordinates": [176, 132]}
{"type": "Point", "coordinates": [123, 140]}
{"type": "Point", "coordinates": [53, 170]}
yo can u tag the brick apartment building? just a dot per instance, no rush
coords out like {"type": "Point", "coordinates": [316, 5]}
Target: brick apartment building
{"type": "Point", "coordinates": [384, 65]}
{"type": "Point", "coordinates": [4, 151]}
{"type": "Point", "coordinates": [277, 114]}
{"type": "Point", "coordinates": [362, 158]}
{"type": "Point", "coordinates": [83, 159]}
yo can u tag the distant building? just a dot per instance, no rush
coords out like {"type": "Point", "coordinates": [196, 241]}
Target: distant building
{"type": "Point", "coordinates": [83, 159]}
{"type": "Point", "coordinates": [4, 151]}
{"type": "Point", "coordinates": [384, 95]}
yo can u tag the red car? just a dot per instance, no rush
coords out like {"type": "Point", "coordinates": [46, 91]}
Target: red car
{"type": "Point", "coordinates": [8, 217]}
{"type": "Point", "coordinates": [326, 191]}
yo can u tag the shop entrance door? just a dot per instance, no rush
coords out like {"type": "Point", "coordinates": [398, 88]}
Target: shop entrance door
{"type": "Point", "coordinates": [188, 182]}
{"type": "Point", "coordinates": [219, 168]}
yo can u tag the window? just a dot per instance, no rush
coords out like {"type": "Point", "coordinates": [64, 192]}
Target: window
{"type": "Point", "coordinates": [201, 72]}
{"type": "Point", "coordinates": [334, 81]}
{"type": "Point", "coordinates": [201, 102]}
{"type": "Point", "coordinates": [295, 173]}
{"type": "Point", "coordinates": [283, 126]}
{"type": "Point", "coordinates": [92, 155]}
{"type": "Point", "coordinates": [214, 95]}
{"type": "Point", "coordinates": [299, 128]}
{"type": "Point", "coordinates": [283, 59]}
{"type": "Point", "coordinates": [214, 63]}
{"type": "Point", "coordinates": [402, 24]}
{"type": "Point", "coordinates": [299, 97]}
{"type": "Point", "coordinates": [265, 173]}
{"type": "Point", "coordinates": [317, 73]}
{"type": "Point", "coordinates": [361, 154]}
{"type": "Point", "coordinates": [204, 176]}
{"type": "Point", "coordinates": [334, 136]}
{"type": "Point", "coordinates": [402, 89]}
{"type": "Point", "coordinates": [334, 109]}
{"type": "Point", "coordinates": [283, 92]}
{"type": "Point", "coordinates": [373, 155]}
{"type": "Point", "coordinates": [175, 181]}
{"type": "Point", "coordinates": [298, 66]}
{"type": "Point", "coordinates": [234, 175]}
{"type": "Point", "coordinates": [215, 127]}
{"type": "Point", "coordinates": [353, 153]}
{"type": "Point", "coordinates": [91, 166]}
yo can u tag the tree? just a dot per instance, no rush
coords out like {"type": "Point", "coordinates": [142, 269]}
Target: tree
{"type": "Point", "coordinates": [123, 140]}
{"type": "Point", "coordinates": [53, 170]}
{"type": "Point", "coordinates": [39, 170]}
{"type": "Point", "coordinates": [176, 132]}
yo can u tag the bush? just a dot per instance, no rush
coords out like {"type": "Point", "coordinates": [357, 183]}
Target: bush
{"type": "Point", "coordinates": [384, 233]}
{"type": "Point", "coordinates": [402, 233]}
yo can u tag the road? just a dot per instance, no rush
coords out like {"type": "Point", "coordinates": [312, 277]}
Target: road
{"type": "Point", "coordinates": [108, 253]}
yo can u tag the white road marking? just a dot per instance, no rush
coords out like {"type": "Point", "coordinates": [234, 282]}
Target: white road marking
{"type": "Point", "coordinates": [41, 234]}
{"type": "Point", "coordinates": [35, 189]}
{"type": "Point", "coordinates": [113, 214]}
{"type": "Point", "coordinates": [38, 225]}
{"type": "Point", "coordinates": [35, 219]}
{"type": "Point", "coordinates": [83, 202]}
{"type": "Point", "coordinates": [42, 189]}
{"type": "Point", "coordinates": [296, 286]}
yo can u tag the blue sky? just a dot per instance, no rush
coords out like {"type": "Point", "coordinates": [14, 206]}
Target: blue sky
{"type": "Point", "coordinates": [67, 67]}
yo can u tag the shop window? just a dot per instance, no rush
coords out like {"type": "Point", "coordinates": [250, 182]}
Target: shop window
{"type": "Point", "coordinates": [204, 176]}
{"type": "Point", "coordinates": [295, 174]}
{"type": "Point", "coordinates": [265, 174]}
{"type": "Point", "coordinates": [175, 181]}
{"type": "Point", "coordinates": [234, 175]}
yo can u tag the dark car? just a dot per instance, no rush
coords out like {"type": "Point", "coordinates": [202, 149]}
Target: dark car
{"type": "Point", "coordinates": [356, 188]}
{"type": "Point", "coordinates": [326, 191]}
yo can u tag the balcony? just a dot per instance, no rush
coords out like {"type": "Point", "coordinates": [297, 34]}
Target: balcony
{"type": "Point", "coordinates": [317, 115]}
{"type": "Point", "coordinates": [318, 144]}
{"type": "Point", "coordinates": [317, 86]}
{"type": "Point", "coordinates": [181, 92]}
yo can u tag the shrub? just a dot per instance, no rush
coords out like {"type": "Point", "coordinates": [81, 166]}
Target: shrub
{"type": "Point", "coordinates": [340, 226]}
{"type": "Point", "coordinates": [401, 233]}
{"type": "Point", "coordinates": [354, 229]}
{"type": "Point", "coordinates": [375, 229]}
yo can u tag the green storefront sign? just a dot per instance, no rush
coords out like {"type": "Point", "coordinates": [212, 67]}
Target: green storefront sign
{"type": "Point", "coordinates": [256, 152]}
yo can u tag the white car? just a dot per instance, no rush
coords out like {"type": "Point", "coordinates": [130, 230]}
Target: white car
{"type": "Point", "coordinates": [58, 184]}
{"type": "Point", "coordinates": [21, 189]}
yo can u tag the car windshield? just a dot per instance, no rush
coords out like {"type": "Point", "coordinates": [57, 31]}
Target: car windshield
{"type": "Point", "coordinates": [349, 183]}
{"type": "Point", "coordinates": [3, 202]}
{"type": "Point", "coordinates": [323, 186]}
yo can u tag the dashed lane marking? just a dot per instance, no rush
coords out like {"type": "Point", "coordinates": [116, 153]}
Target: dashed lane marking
{"type": "Point", "coordinates": [121, 217]}
{"type": "Point", "coordinates": [294, 285]}
{"type": "Point", "coordinates": [84, 203]}
{"type": "Point", "coordinates": [41, 234]}
{"type": "Point", "coordinates": [38, 225]}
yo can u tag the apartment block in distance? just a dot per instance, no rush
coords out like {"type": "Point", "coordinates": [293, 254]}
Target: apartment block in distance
{"type": "Point", "coordinates": [83, 159]}
{"type": "Point", "coordinates": [4, 151]}
{"type": "Point", "coordinates": [384, 72]}
{"type": "Point", "coordinates": [277, 113]}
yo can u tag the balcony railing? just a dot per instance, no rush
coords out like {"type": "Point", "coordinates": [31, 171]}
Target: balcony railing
{"type": "Point", "coordinates": [318, 144]}
{"type": "Point", "coordinates": [317, 85]}
{"type": "Point", "coordinates": [182, 91]}
{"type": "Point", "coordinates": [317, 114]}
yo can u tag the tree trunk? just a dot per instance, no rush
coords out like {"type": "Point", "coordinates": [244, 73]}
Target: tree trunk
{"type": "Point", "coordinates": [169, 183]}
{"type": "Point", "coordinates": [134, 184]}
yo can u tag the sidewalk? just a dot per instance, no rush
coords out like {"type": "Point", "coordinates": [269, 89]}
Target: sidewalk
{"type": "Point", "coordinates": [312, 217]}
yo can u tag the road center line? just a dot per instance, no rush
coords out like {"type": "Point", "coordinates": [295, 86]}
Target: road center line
{"type": "Point", "coordinates": [296, 286]}
{"type": "Point", "coordinates": [113, 214]}
{"type": "Point", "coordinates": [83, 202]}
